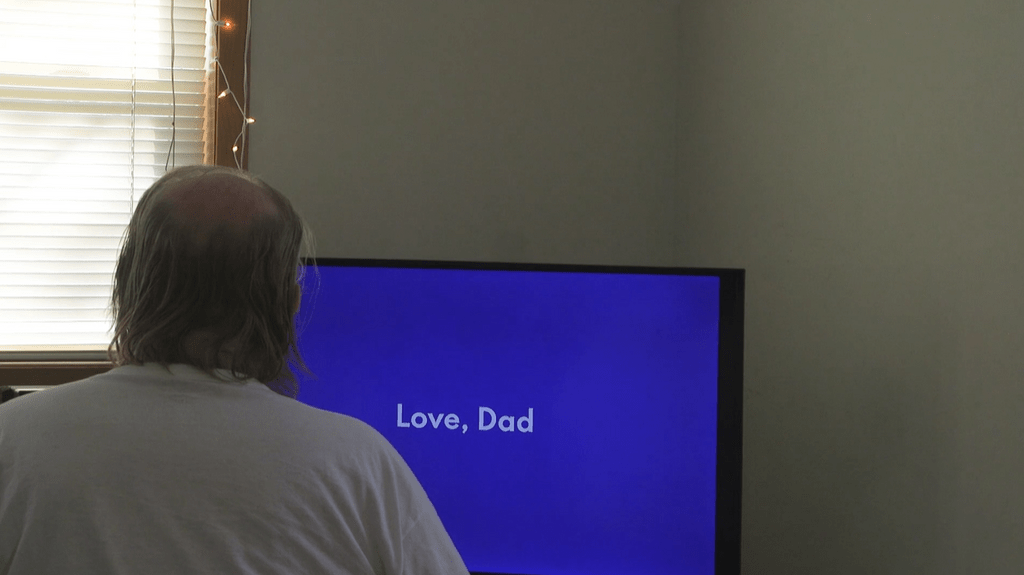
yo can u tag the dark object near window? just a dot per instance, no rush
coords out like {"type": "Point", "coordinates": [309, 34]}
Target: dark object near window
{"type": "Point", "coordinates": [9, 393]}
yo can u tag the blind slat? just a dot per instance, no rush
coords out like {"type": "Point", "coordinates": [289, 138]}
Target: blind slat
{"type": "Point", "coordinates": [83, 74]}
{"type": "Point", "coordinates": [32, 245]}
{"type": "Point", "coordinates": [101, 121]}
{"type": "Point", "coordinates": [56, 108]}
{"type": "Point", "coordinates": [97, 145]}
{"type": "Point", "coordinates": [160, 9]}
{"type": "Point", "coordinates": [55, 278]}
{"type": "Point", "coordinates": [95, 80]}
{"type": "Point", "coordinates": [79, 133]}
{"type": "Point", "coordinates": [23, 93]}
{"type": "Point", "coordinates": [61, 167]}
{"type": "Point", "coordinates": [56, 292]}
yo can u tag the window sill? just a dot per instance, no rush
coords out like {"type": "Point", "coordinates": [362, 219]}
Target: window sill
{"type": "Point", "coordinates": [48, 373]}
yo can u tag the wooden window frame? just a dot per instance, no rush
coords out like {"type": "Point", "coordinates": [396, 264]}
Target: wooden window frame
{"type": "Point", "coordinates": [228, 119]}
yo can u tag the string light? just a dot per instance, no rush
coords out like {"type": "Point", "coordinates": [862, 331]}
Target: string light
{"type": "Point", "coordinates": [239, 143]}
{"type": "Point", "coordinates": [247, 50]}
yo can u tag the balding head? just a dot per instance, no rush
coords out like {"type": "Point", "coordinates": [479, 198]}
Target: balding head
{"type": "Point", "coordinates": [207, 276]}
{"type": "Point", "coordinates": [208, 199]}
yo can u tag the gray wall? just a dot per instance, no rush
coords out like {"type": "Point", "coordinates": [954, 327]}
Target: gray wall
{"type": "Point", "coordinates": [863, 161]}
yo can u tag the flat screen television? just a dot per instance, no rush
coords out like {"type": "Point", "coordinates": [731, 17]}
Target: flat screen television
{"type": "Point", "coordinates": [563, 419]}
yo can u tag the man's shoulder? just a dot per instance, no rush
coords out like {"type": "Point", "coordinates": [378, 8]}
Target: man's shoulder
{"type": "Point", "coordinates": [32, 397]}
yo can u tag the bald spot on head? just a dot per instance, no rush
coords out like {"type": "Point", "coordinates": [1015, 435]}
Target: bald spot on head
{"type": "Point", "coordinates": [214, 200]}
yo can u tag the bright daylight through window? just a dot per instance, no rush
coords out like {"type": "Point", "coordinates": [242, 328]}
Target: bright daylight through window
{"type": "Point", "coordinates": [96, 102]}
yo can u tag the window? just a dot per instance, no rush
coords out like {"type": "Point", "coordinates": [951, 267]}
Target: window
{"type": "Point", "coordinates": [95, 103]}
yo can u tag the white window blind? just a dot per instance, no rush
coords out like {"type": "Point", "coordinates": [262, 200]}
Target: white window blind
{"type": "Point", "coordinates": [93, 95]}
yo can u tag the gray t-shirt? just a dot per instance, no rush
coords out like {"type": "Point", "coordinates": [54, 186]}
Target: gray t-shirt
{"type": "Point", "coordinates": [153, 470]}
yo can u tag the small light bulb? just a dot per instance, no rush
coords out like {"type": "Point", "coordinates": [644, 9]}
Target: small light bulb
{"type": "Point", "coordinates": [251, 120]}
{"type": "Point", "coordinates": [222, 94]}
{"type": "Point", "coordinates": [224, 23]}
{"type": "Point", "coordinates": [234, 148]}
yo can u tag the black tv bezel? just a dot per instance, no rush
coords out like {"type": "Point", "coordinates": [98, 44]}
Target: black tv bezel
{"type": "Point", "coordinates": [729, 465]}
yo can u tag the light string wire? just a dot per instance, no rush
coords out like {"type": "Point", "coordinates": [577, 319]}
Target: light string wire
{"type": "Point", "coordinates": [174, 101]}
{"type": "Point", "coordinates": [131, 129]}
{"type": "Point", "coordinates": [238, 147]}
{"type": "Point", "coordinates": [246, 119]}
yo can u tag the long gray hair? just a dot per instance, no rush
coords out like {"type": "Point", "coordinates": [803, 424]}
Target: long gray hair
{"type": "Point", "coordinates": [197, 289]}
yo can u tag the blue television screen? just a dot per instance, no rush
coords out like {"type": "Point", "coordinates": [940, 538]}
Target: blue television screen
{"type": "Point", "coordinates": [564, 420]}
